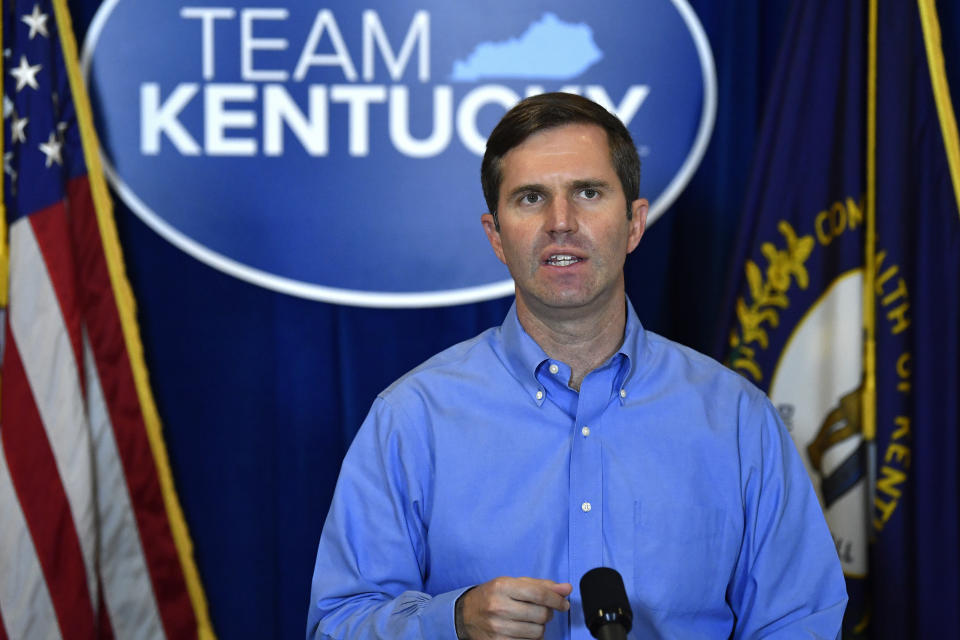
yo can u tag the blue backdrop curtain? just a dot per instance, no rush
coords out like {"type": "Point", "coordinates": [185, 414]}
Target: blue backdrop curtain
{"type": "Point", "coordinates": [261, 393]}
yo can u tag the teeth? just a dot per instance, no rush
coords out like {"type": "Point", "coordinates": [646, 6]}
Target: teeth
{"type": "Point", "coordinates": [562, 260]}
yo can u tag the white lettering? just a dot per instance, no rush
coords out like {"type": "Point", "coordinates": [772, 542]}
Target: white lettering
{"type": "Point", "coordinates": [249, 44]}
{"type": "Point", "coordinates": [207, 15]}
{"type": "Point", "coordinates": [217, 119]}
{"type": "Point", "coordinates": [373, 32]}
{"type": "Point", "coordinates": [156, 119]}
{"type": "Point", "coordinates": [309, 58]}
{"type": "Point", "coordinates": [410, 133]}
{"type": "Point", "coordinates": [279, 108]}
{"type": "Point", "coordinates": [533, 90]}
{"type": "Point", "coordinates": [470, 106]}
{"type": "Point", "coordinates": [400, 123]}
{"type": "Point", "coordinates": [358, 97]}
{"type": "Point", "coordinates": [627, 108]}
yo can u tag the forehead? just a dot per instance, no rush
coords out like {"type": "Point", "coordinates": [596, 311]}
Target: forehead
{"type": "Point", "coordinates": [569, 152]}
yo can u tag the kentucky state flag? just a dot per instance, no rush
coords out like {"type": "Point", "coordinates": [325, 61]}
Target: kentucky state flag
{"type": "Point", "coordinates": [846, 300]}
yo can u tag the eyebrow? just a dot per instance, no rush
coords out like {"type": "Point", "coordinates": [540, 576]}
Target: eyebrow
{"type": "Point", "coordinates": [525, 188]}
{"type": "Point", "coordinates": [576, 185]}
{"type": "Point", "coordinates": [590, 184]}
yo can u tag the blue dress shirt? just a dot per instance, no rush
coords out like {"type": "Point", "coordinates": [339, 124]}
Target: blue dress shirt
{"type": "Point", "coordinates": [666, 466]}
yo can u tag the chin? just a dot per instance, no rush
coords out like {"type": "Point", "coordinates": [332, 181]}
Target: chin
{"type": "Point", "coordinates": [565, 300]}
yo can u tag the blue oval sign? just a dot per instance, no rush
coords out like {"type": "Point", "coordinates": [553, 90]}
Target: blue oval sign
{"type": "Point", "coordinates": [332, 152]}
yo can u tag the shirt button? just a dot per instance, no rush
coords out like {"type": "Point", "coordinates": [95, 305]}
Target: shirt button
{"type": "Point", "coordinates": [585, 507]}
{"type": "Point", "coordinates": [623, 393]}
{"type": "Point", "coordinates": [554, 368]}
{"type": "Point", "coordinates": [585, 431]}
{"type": "Point", "coordinates": [539, 395]}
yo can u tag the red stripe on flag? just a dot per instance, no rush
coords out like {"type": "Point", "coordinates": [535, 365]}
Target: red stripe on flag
{"type": "Point", "coordinates": [116, 378]}
{"type": "Point", "coordinates": [51, 228]}
{"type": "Point", "coordinates": [37, 483]}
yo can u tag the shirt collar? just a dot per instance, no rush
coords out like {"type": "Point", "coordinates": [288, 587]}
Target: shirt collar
{"type": "Point", "coordinates": [634, 345]}
{"type": "Point", "coordinates": [523, 355]}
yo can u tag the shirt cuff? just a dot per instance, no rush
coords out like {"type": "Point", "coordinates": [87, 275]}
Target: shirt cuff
{"type": "Point", "coordinates": [437, 616]}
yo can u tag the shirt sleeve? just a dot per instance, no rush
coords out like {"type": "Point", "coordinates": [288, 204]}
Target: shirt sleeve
{"type": "Point", "coordinates": [368, 581]}
{"type": "Point", "coordinates": [788, 582]}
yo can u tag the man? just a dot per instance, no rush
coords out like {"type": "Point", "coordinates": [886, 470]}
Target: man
{"type": "Point", "coordinates": [487, 481]}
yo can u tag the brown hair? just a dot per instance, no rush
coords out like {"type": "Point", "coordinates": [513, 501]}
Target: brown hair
{"type": "Point", "coordinates": [546, 111]}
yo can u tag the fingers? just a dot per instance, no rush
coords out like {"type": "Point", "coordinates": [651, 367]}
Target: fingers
{"type": "Point", "coordinates": [514, 629]}
{"type": "Point", "coordinates": [526, 612]}
{"type": "Point", "coordinates": [512, 607]}
{"type": "Point", "coordinates": [562, 588]}
{"type": "Point", "coordinates": [544, 592]}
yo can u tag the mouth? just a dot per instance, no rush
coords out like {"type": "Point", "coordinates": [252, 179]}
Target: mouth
{"type": "Point", "coordinates": [562, 260]}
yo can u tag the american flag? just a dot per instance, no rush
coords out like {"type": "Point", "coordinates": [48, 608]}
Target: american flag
{"type": "Point", "coordinates": [92, 540]}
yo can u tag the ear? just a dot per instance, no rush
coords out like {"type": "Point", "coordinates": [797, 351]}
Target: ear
{"type": "Point", "coordinates": [490, 227]}
{"type": "Point", "coordinates": [638, 222]}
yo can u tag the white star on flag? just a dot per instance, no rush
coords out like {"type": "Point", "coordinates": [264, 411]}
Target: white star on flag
{"type": "Point", "coordinates": [7, 107]}
{"type": "Point", "coordinates": [37, 22]}
{"type": "Point", "coordinates": [51, 148]}
{"type": "Point", "coordinates": [26, 74]}
{"type": "Point", "coordinates": [8, 164]}
{"type": "Point", "coordinates": [18, 129]}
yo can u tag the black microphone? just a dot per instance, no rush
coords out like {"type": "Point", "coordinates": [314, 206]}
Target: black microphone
{"type": "Point", "coordinates": [605, 605]}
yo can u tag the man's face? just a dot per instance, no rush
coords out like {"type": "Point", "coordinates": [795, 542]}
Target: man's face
{"type": "Point", "coordinates": [564, 232]}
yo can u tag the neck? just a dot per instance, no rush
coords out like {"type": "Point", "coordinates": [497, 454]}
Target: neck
{"type": "Point", "coordinates": [582, 338]}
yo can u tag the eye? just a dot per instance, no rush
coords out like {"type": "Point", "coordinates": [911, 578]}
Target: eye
{"type": "Point", "coordinates": [531, 197]}
{"type": "Point", "coordinates": [590, 194]}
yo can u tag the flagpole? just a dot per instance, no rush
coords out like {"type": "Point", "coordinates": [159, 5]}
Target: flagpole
{"type": "Point", "coordinates": [4, 249]}
{"type": "Point", "coordinates": [941, 92]}
{"type": "Point", "coordinates": [869, 398]}
{"type": "Point", "coordinates": [126, 308]}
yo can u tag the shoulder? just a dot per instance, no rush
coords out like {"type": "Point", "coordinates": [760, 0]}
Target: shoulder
{"type": "Point", "coordinates": [677, 363]}
{"type": "Point", "coordinates": [462, 364]}
{"type": "Point", "coordinates": [713, 404]}
{"type": "Point", "coordinates": [407, 410]}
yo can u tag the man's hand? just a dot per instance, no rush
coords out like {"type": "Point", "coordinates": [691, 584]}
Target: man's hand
{"type": "Point", "coordinates": [510, 608]}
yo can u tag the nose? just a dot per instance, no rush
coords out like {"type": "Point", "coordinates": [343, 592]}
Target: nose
{"type": "Point", "coordinates": [561, 217]}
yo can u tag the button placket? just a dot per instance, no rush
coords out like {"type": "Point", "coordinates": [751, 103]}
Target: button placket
{"type": "Point", "coordinates": [586, 476]}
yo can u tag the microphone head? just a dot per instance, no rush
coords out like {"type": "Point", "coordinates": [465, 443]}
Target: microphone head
{"type": "Point", "coordinates": [604, 599]}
